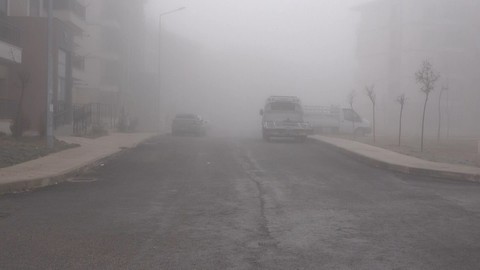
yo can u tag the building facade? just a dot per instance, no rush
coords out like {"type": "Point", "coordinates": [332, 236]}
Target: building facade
{"type": "Point", "coordinates": [30, 18]}
{"type": "Point", "coordinates": [97, 56]}
{"type": "Point", "coordinates": [114, 58]}
{"type": "Point", "coordinates": [11, 54]}
{"type": "Point", "coordinates": [100, 58]}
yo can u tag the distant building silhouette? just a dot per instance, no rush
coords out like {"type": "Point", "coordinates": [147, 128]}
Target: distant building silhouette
{"type": "Point", "coordinates": [395, 36]}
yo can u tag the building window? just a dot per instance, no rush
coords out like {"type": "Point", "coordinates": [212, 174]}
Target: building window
{"type": "Point", "coordinates": [62, 90]}
{"type": "Point", "coordinates": [35, 8]}
{"type": "Point", "coordinates": [4, 7]}
{"type": "Point", "coordinates": [78, 62]}
{"type": "Point", "coordinates": [62, 75]}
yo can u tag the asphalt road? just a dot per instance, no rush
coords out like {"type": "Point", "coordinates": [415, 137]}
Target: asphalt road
{"type": "Point", "coordinates": [221, 203]}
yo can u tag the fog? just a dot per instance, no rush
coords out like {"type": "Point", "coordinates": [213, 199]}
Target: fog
{"type": "Point", "coordinates": [240, 52]}
{"type": "Point", "coordinates": [222, 59]}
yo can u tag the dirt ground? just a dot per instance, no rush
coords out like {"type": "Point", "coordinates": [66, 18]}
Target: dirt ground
{"type": "Point", "coordinates": [17, 151]}
{"type": "Point", "coordinates": [453, 150]}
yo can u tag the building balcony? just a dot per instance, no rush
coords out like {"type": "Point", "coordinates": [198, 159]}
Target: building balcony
{"type": "Point", "coordinates": [78, 62]}
{"type": "Point", "coordinates": [9, 42]}
{"type": "Point", "coordinates": [72, 12]}
{"type": "Point", "coordinates": [79, 74]}
{"type": "Point", "coordinates": [75, 6]}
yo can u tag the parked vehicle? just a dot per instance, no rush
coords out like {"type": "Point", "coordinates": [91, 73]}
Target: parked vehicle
{"type": "Point", "coordinates": [333, 119]}
{"type": "Point", "coordinates": [189, 124]}
{"type": "Point", "coordinates": [282, 116]}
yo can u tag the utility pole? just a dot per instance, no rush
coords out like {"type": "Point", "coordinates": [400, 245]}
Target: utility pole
{"type": "Point", "coordinates": [159, 75]}
{"type": "Point", "coordinates": [49, 108]}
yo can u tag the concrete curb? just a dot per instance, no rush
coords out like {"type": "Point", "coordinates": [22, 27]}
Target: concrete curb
{"type": "Point", "coordinates": [409, 170]}
{"type": "Point", "coordinates": [31, 184]}
{"type": "Point", "coordinates": [54, 179]}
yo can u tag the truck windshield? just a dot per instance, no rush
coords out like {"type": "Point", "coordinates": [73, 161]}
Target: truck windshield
{"type": "Point", "coordinates": [185, 116]}
{"type": "Point", "coordinates": [282, 106]}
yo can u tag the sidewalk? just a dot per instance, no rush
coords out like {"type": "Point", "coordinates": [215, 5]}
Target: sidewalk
{"type": "Point", "coordinates": [56, 167]}
{"type": "Point", "coordinates": [387, 159]}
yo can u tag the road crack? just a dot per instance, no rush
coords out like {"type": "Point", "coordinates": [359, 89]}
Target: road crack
{"type": "Point", "coordinates": [265, 244]}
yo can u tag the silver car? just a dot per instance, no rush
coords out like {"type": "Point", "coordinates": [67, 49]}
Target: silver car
{"type": "Point", "coordinates": [188, 124]}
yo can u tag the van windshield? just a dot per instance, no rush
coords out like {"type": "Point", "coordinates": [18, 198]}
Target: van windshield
{"type": "Point", "coordinates": [185, 116]}
{"type": "Point", "coordinates": [282, 106]}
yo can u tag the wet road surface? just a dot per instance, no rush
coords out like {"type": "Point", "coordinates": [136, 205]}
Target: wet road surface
{"type": "Point", "coordinates": [223, 203]}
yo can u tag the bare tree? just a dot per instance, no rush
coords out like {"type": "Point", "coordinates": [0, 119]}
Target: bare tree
{"type": "Point", "coordinates": [439, 128]}
{"type": "Point", "coordinates": [401, 100]}
{"type": "Point", "coordinates": [370, 91]}
{"type": "Point", "coordinates": [426, 77]}
{"type": "Point", "coordinates": [351, 99]}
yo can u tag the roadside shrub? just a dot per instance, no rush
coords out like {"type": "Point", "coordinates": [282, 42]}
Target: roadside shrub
{"type": "Point", "coordinates": [19, 126]}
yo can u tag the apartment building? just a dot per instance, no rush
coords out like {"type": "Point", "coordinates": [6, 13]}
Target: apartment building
{"type": "Point", "coordinates": [10, 56]}
{"type": "Point", "coordinates": [102, 53]}
{"type": "Point", "coordinates": [97, 55]}
{"type": "Point", "coordinates": [114, 59]}
{"type": "Point", "coordinates": [29, 18]}
{"type": "Point", "coordinates": [395, 36]}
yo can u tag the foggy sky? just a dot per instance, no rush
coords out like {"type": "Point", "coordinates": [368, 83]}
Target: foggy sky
{"type": "Point", "coordinates": [317, 37]}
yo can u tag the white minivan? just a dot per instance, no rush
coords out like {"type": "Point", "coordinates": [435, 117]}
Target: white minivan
{"type": "Point", "coordinates": [333, 119]}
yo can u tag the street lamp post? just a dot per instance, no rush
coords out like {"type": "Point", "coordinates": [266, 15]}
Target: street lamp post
{"type": "Point", "coordinates": [159, 75]}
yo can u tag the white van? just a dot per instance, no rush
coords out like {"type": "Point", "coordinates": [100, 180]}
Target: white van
{"type": "Point", "coordinates": [333, 119]}
{"type": "Point", "coordinates": [282, 116]}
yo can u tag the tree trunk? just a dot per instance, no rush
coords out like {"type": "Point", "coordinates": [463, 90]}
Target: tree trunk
{"type": "Point", "coordinates": [439, 116]}
{"type": "Point", "coordinates": [423, 122]}
{"type": "Point", "coordinates": [374, 123]}
{"type": "Point", "coordinates": [400, 126]}
{"type": "Point", "coordinates": [353, 124]}
{"type": "Point", "coordinates": [447, 112]}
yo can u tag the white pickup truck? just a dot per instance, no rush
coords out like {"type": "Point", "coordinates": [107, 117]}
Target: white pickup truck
{"type": "Point", "coordinates": [282, 116]}
{"type": "Point", "coordinates": [333, 119]}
